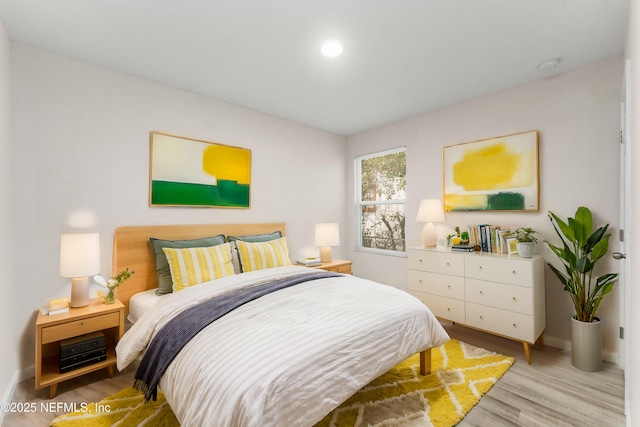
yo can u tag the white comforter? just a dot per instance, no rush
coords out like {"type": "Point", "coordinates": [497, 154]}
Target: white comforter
{"type": "Point", "coordinates": [288, 358]}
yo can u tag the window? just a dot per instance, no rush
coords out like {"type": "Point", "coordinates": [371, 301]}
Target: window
{"type": "Point", "coordinates": [381, 183]}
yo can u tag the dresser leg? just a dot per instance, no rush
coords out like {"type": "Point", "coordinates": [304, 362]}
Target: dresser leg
{"type": "Point", "coordinates": [540, 340]}
{"type": "Point", "coordinates": [53, 388]}
{"type": "Point", "coordinates": [527, 351]}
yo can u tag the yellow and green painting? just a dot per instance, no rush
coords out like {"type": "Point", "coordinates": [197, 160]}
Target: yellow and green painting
{"type": "Point", "coordinates": [497, 174]}
{"type": "Point", "coordinates": [190, 172]}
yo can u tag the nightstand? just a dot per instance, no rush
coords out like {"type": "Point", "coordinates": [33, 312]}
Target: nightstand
{"type": "Point", "coordinates": [50, 330]}
{"type": "Point", "coordinates": [336, 265]}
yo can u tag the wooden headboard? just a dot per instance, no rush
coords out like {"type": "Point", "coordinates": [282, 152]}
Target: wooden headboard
{"type": "Point", "coordinates": [132, 249]}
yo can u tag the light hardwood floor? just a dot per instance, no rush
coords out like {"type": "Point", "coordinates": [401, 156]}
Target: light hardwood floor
{"type": "Point", "coordinates": [550, 392]}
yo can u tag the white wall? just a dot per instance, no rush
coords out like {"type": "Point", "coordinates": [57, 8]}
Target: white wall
{"type": "Point", "coordinates": [81, 137]}
{"type": "Point", "coordinates": [577, 116]}
{"type": "Point", "coordinates": [8, 359]}
{"type": "Point", "coordinates": [632, 330]}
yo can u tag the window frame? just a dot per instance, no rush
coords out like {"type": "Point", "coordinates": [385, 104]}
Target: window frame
{"type": "Point", "coordinates": [359, 203]}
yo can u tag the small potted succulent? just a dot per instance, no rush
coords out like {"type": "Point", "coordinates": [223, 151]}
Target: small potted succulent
{"type": "Point", "coordinates": [525, 241]}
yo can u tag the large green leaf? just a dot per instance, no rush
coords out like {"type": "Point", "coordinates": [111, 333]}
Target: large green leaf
{"type": "Point", "coordinates": [600, 249]}
{"type": "Point", "coordinates": [584, 217]}
{"type": "Point", "coordinates": [578, 232]}
{"type": "Point", "coordinates": [597, 236]}
{"type": "Point", "coordinates": [584, 265]}
{"type": "Point", "coordinates": [567, 232]}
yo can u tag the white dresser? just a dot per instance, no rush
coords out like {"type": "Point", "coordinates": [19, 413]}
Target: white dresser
{"type": "Point", "coordinates": [500, 294]}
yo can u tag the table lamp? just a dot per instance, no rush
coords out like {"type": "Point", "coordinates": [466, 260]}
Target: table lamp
{"type": "Point", "coordinates": [327, 235]}
{"type": "Point", "coordinates": [430, 211]}
{"type": "Point", "coordinates": [79, 259]}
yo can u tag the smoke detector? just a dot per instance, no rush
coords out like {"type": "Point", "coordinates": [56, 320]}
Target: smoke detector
{"type": "Point", "coordinates": [549, 65]}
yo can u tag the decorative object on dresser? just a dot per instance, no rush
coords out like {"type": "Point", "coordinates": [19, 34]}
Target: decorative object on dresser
{"type": "Point", "coordinates": [499, 294]}
{"type": "Point", "coordinates": [79, 259]}
{"type": "Point", "coordinates": [327, 235]}
{"type": "Point", "coordinates": [55, 353]}
{"type": "Point", "coordinates": [430, 211]}
{"type": "Point", "coordinates": [581, 249]}
{"type": "Point", "coordinates": [496, 174]}
{"type": "Point", "coordinates": [525, 241]}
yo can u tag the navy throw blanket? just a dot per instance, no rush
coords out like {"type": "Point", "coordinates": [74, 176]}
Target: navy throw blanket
{"type": "Point", "coordinates": [168, 342]}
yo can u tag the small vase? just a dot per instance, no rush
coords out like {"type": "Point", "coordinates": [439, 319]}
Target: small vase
{"type": "Point", "coordinates": [110, 297]}
{"type": "Point", "coordinates": [525, 249]}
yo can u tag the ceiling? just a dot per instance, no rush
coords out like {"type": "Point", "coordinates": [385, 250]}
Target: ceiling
{"type": "Point", "coordinates": [401, 57]}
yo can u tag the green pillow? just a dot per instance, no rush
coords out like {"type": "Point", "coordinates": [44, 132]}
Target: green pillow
{"type": "Point", "coordinates": [165, 284]}
{"type": "Point", "coordinates": [257, 237]}
{"type": "Point", "coordinates": [253, 238]}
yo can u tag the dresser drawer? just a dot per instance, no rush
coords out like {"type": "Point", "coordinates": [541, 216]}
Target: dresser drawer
{"type": "Point", "coordinates": [508, 297]}
{"type": "Point", "coordinates": [80, 327]}
{"type": "Point", "coordinates": [512, 271]}
{"type": "Point", "coordinates": [438, 284]}
{"type": "Point", "coordinates": [444, 308]}
{"type": "Point", "coordinates": [502, 322]}
{"type": "Point", "coordinates": [436, 262]}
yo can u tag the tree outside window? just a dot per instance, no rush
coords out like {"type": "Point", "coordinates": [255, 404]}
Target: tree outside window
{"type": "Point", "coordinates": [381, 184]}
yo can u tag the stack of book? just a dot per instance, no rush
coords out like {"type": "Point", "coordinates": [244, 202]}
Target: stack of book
{"type": "Point", "coordinates": [490, 238]}
{"type": "Point", "coordinates": [310, 262]}
{"type": "Point", "coordinates": [462, 248]}
{"type": "Point", "coordinates": [58, 306]}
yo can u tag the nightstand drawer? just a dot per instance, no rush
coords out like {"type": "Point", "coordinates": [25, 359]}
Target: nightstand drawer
{"type": "Point", "coordinates": [345, 269]}
{"type": "Point", "coordinates": [80, 327]}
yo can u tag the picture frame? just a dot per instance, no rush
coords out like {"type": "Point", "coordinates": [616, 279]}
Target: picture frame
{"type": "Point", "coordinates": [495, 174]}
{"type": "Point", "coordinates": [512, 245]}
{"type": "Point", "coordinates": [196, 173]}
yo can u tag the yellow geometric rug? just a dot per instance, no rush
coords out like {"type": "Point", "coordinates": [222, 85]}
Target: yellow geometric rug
{"type": "Point", "coordinates": [461, 375]}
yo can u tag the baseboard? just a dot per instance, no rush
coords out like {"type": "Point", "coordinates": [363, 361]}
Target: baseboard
{"type": "Point", "coordinates": [9, 391]}
{"type": "Point", "coordinates": [28, 372]}
{"type": "Point", "coordinates": [565, 345]}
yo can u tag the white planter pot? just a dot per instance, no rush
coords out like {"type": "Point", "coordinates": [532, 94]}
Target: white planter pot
{"type": "Point", "coordinates": [525, 249]}
{"type": "Point", "coordinates": [586, 345]}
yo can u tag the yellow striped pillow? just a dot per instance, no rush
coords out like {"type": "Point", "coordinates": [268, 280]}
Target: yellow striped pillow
{"type": "Point", "coordinates": [260, 255]}
{"type": "Point", "coordinates": [190, 266]}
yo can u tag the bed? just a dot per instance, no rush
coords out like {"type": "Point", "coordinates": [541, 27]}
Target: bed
{"type": "Point", "coordinates": [286, 358]}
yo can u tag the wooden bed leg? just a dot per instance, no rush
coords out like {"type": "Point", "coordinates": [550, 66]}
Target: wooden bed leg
{"type": "Point", "coordinates": [425, 362]}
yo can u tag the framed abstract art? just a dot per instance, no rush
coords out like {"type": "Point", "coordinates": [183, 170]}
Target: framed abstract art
{"type": "Point", "coordinates": [496, 174]}
{"type": "Point", "coordinates": [192, 172]}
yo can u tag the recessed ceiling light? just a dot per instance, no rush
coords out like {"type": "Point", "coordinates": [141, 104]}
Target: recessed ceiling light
{"type": "Point", "coordinates": [331, 48]}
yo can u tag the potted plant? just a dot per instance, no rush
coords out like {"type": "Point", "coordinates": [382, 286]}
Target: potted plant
{"type": "Point", "coordinates": [580, 251]}
{"type": "Point", "coordinates": [525, 241]}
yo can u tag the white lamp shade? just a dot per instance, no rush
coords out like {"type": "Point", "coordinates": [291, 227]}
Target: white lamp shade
{"type": "Point", "coordinates": [430, 211]}
{"type": "Point", "coordinates": [328, 234]}
{"type": "Point", "coordinates": [79, 254]}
